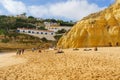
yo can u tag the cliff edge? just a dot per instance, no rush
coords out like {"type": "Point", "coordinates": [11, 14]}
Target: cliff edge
{"type": "Point", "coordinates": [98, 29]}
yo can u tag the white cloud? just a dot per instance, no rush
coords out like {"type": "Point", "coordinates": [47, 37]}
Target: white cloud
{"type": "Point", "coordinates": [38, 11]}
{"type": "Point", "coordinates": [74, 9]}
{"type": "Point", "coordinates": [14, 7]}
{"type": "Point", "coordinates": [71, 9]}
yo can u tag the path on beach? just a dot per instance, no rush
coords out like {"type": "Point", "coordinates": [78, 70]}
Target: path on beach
{"type": "Point", "coordinates": [8, 59]}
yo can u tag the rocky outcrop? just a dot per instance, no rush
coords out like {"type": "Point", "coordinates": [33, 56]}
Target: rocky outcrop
{"type": "Point", "coordinates": [98, 29]}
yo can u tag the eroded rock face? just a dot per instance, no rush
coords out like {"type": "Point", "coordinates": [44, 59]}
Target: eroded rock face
{"type": "Point", "coordinates": [117, 1]}
{"type": "Point", "coordinates": [98, 29]}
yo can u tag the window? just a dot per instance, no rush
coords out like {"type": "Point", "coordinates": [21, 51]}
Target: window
{"type": "Point", "coordinates": [29, 31]}
{"type": "Point", "coordinates": [37, 32]}
{"type": "Point", "coordinates": [23, 31]}
{"type": "Point", "coordinates": [51, 33]}
{"type": "Point", "coordinates": [18, 30]}
{"type": "Point", "coordinates": [45, 33]}
{"type": "Point", "coordinates": [41, 32]}
{"type": "Point", "coordinates": [33, 32]}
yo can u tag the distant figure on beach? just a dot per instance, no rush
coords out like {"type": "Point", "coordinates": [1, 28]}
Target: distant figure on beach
{"type": "Point", "coordinates": [87, 49]}
{"type": "Point", "coordinates": [22, 51]}
{"type": "Point", "coordinates": [110, 44]}
{"type": "Point", "coordinates": [117, 44]}
{"type": "Point", "coordinates": [39, 51]}
{"type": "Point", "coordinates": [60, 51]}
{"type": "Point", "coordinates": [95, 49]}
{"type": "Point", "coordinates": [75, 49]}
{"type": "Point", "coordinates": [18, 51]}
{"type": "Point", "coordinates": [33, 49]}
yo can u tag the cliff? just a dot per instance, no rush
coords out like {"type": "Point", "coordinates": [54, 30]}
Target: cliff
{"type": "Point", "coordinates": [98, 29]}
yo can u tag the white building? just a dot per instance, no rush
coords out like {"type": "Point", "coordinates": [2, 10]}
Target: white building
{"type": "Point", "coordinates": [55, 26]}
{"type": "Point", "coordinates": [55, 29]}
{"type": "Point", "coordinates": [21, 16]}
{"type": "Point", "coordinates": [49, 35]}
{"type": "Point", "coordinates": [49, 24]}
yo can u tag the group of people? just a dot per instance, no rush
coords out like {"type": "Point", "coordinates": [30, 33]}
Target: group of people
{"type": "Point", "coordinates": [20, 51]}
{"type": "Point", "coordinates": [39, 50]}
{"type": "Point", "coordinates": [59, 50]}
{"type": "Point", "coordinates": [88, 49]}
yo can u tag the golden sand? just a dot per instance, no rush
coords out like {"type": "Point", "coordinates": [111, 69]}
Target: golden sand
{"type": "Point", "coordinates": [103, 64]}
{"type": "Point", "coordinates": [8, 59]}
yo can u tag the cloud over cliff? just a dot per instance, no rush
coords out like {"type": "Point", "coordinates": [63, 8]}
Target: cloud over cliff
{"type": "Point", "coordinates": [70, 9]}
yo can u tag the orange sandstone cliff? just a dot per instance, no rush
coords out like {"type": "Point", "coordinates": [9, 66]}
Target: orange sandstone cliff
{"type": "Point", "coordinates": [98, 29]}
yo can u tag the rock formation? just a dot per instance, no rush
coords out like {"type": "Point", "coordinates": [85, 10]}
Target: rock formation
{"type": "Point", "coordinates": [98, 29]}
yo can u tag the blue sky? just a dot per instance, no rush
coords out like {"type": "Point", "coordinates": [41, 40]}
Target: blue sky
{"type": "Point", "coordinates": [59, 9]}
{"type": "Point", "coordinates": [100, 3]}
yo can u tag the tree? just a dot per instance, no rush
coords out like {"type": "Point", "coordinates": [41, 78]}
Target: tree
{"type": "Point", "coordinates": [31, 17]}
{"type": "Point", "coordinates": [24, 14]}
{"type": "Point", "coordinates": [66, 23]}
{"type": "Point", "coordinates": [57, 37]}
{"type": "Point", "coordinates": [5, 40]}
{"type": "Point", "coordinates": [42, 28]}
{"type": "Point", "coordinates": [3, 32]}
{"type": "Point", "coordinates": [53, 20]}
{"type": "Point", "coordinates": [44, 39]}
{"type": "Point", "coordinates": [61, 31]}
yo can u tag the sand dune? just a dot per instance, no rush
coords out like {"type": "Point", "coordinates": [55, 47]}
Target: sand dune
{"type": "Point", "coordinates": [103, 64]}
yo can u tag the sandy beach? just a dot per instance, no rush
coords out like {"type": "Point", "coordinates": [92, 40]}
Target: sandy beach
{"type": "Point", "coordinates": [8, 59]}
{"type": "Point", "coordinates": [103, 64]}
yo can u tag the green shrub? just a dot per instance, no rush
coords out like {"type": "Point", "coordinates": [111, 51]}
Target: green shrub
{"type": "Point", "coordinates": [57, 37]}
{"type": "Point", "coordinates": [61, 31]}
{"type": "Point", "coordinates": [5, 40]}
{"type": "Point", "coordinates": [44, 39]}
{"type": "Point", "coordinates": [42, 28]}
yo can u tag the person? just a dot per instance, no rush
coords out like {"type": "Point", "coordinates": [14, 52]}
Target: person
{"type": "Point", "coordinates": [75, 49]}
{"type": "Point", "coordinates": [17, 52]}
{"type": "Point", "coordinates": [22, 51]}
{"type": "Point", "coordinates": [60, 51]}
{"type": "Point", "coordinates": [33, 49]}
{"type": "Point", "coordinates": [95, 49]}
{"type": "Point", "coordinates": [110, 44]}
{"type": "Point", "coordinates": [39, 51]}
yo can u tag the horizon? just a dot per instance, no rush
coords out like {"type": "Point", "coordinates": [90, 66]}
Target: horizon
{"type": "Point", "coordinates": [57, 9]}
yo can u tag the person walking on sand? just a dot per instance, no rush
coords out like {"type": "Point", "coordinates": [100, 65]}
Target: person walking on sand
{"type": "Point", "coordinates": [17, 52]}
{"type": "Point", "coordinates": [33, 49]}
{"type": "Point", "coordinates": [39, 51]}
{"type": "Point", "coordinates": [95, 49]}
{"type": "Point", "coordinates": [22, 51]}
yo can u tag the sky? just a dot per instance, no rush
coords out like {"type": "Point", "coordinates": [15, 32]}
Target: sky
{"type": "Point", "coordinates": [58, 9]}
